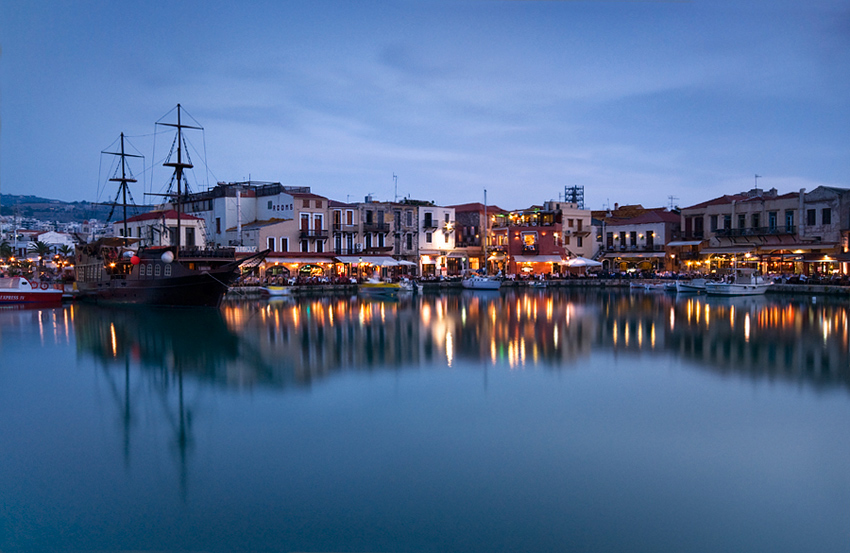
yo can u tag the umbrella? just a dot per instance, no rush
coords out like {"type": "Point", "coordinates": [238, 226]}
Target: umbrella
{"type": "Point", "coordinates": [582, 262]}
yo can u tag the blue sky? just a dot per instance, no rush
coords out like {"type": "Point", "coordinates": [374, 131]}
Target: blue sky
{"type": "Point", "coordinates": [636, 101]}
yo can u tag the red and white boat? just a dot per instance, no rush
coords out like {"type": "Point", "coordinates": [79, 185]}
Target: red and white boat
{"type": "Point", "coordinates": [21, 290]}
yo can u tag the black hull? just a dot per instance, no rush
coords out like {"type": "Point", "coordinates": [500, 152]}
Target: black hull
{"type": "Point", "coordinates": [196, 290]}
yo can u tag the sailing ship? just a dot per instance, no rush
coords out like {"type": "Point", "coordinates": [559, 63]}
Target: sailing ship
{"type": "Point", "coordinates": [120, 270]}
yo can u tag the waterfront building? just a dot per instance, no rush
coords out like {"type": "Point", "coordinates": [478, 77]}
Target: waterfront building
{"type": "Point", "coordinates": [436, 240]}
{"type": "Point", "coordinates": [636, 238]}
{"type": "Point", "coordinates": [159, 228]}
{"type": "Point", "coordinates": [474, 223]}
{"type": "Point", "coordinates": [539, 240]}
{"type": "Point", "coordinates": [777, 233]}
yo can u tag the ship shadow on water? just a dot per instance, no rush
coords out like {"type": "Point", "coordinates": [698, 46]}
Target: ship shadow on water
{"type": "Point", "coordinates": [147, 355]}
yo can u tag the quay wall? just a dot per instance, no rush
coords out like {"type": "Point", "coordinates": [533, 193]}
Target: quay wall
{"type": "Point", "coordinates": [321, 289]}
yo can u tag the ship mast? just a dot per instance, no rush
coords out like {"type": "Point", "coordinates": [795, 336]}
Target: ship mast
{"type": "Point", "coordinates": [124, 179]}
{"type": "Point", "coordinates": [179, 166]}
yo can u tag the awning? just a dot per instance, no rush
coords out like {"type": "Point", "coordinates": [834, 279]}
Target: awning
{"type": "Point", "coordinates": [381, 260]}
{"type": "Point", "coordinates": [634, 255]}
{"type": "Point", "coordinates": [408, 263]}
{"type": "Point", "coordinates": [301, 260]}
{"type": "Point", "coordinates": [456, 254]}
{"type": "Point", "coordinates": [538, 258]}
{"type": "Point", "coordinates": [496, 257]}
{"type": "Point", "coordinates": [731, 251]}
{"type": "Point", "coordinates": [685, 243]}
{"type": "Point", "coordinates": [801, 247]}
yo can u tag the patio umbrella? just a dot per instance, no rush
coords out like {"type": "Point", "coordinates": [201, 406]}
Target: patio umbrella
{"type": "Point", "coordinates": [582, 262]}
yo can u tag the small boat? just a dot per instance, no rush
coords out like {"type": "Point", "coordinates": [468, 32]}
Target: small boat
{"type": "Point", "coordinates": [743, 282]}
{"type": "Point", "coordinates": [378, 287]}
{"type": "Point", "coordinates": [21, 290]}
{"type": "Point", "coordinates": [479, 282]}
{"type": "Point", "coordinates": [647, 286]}
{"type": "Point", "coordinates": [274, 291]}
{"type": "Point", "coordinates": [694, 286]}
{"type": "Point", "coordinates": [537, 284]}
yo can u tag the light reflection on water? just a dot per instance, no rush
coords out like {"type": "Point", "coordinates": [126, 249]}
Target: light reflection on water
{"type": "Point", "coordinates": [541, 421]}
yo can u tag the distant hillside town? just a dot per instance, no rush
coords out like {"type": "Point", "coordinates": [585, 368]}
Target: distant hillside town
{"type": "Point", "coordinates": [798, 232]}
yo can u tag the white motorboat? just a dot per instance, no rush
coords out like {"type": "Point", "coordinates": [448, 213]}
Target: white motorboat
{"type": "Point", "coordinates": [693, 286]}
{"type": "Point", "coordinates": [478, 282]}
{"type": "Point", "coordinates": [743, 282]}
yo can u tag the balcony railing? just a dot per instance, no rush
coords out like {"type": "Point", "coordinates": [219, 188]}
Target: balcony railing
{"type": "Point", "coordinates": [530, 249]}
{"type": "Point", "coordinates": [341, 227]}
{"type": "Point", "coordinates": [757, 231]}
{"type": "Point", "coordinates": [376, 227]}
{"type": "Point", "coordinates": [313, 234]}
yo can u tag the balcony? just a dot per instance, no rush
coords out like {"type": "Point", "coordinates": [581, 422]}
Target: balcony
{"type": "Point", "coordinates": [313, 234]}
{"type": "Point", "coordinates": [758, 231]}
{"type": "Point", "coordinates": [340, 227]}
{"type": "Point", "coordinates": [530, 249]}
{"type": "Point", "coordinates": [376, 227]}
{"type": "Point", "coordinates": [429, 224]}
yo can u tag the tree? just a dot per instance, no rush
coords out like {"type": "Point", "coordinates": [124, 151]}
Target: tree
{"type": "Point", "coordinates": [6, 250]}
{"type": "Point", "coordinates": [40, 248]}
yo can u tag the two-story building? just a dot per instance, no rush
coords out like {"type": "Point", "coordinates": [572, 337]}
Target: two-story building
{"type": "Point", "coordinates": [472, 233]}
{"type": "Point", "coordinates": [635, 238]}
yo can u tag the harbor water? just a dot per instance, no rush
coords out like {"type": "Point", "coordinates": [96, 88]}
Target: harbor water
{"type": "Point", "coordinates": [522, 420]}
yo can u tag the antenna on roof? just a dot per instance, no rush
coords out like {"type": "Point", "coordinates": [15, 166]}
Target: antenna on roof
{"type": "Point", "coordinates": [757, 180]}
{"type": "Point", "coordinates": [672, 201]}
{"type": "Point", "coordinates": [395, 183]}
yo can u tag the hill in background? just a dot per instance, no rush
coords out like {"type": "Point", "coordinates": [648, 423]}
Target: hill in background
{"type": "Point", "coordinates": [64, 212]}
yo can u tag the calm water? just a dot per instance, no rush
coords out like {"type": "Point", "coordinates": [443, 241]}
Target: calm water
{"type": "Point", "coordinates": [543, 421]}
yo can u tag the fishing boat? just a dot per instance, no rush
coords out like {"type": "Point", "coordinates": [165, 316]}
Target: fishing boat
{"type": "Point", "coordinates": [741, 282]}
{"type": "Point", "coordinates": [693, 286]}
{"type": "Point", "coordinates": [119, 270]}
{"type": "Point", "coordinates": [16, 290]}
{"type": "Point", "coordinates": [480, 282]}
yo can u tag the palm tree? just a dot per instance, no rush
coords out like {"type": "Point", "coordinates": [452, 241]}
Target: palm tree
{"type": "Point", "coordinates": [40, 248]}
{"type": "Point", "coordinates": [66, 251]}
{"type": "Point", "coordinates": [6, 250]}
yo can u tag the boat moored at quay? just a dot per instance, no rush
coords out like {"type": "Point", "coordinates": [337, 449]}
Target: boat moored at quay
{"type": "Point", "coordinates": [20, 290]}
{"type": "Point", "coordinates": [119, 270]}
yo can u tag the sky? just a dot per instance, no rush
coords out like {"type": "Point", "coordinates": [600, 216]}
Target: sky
{"type": "Point", "coordinates": [640, 102]}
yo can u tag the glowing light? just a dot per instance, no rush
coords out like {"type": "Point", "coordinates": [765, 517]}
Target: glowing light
{"type": "Point", "coordinates": [449, 348]}
{"type": "Point", "coordinates": [114, 340]}
{"type": "Point", "coordinates": [747, 327]}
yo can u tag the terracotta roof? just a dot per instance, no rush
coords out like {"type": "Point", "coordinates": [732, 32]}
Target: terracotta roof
{"type": "Point", "coordinates": [477, 206]}
{"type": "Point", "coordinates": [654, 216]}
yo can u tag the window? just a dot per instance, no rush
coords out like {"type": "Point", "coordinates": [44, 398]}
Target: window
{"type": "Point", "coordinates": [305, 246]}
{"type": "Point", "coordinates": [270, 204]}
{"type": "Point", "coordinates": [218, 225]}
{"type": "Point", "coordinates": [305, 203]}
{"type": "Point", "coordinates": [271, 242]}
{"type": "Point", "coordinates": [650, 239]}
{"type": "Point", "coordinates": [570, 222]}
{"type": "Point", "coordinates": [305, 221]}
{"type": "Point", "coordinates": [317, 221]}
{"type": "Point", "coordinates": [409, 241]}
{"type": "Point", "coordinates": [742, 221]}
{"type": "Point", "coordinates": [609, 240]}
{"type": "Point", "coordinates": [756, 220]}
{"type": "Point", "coordinates": [623, 239]}
{"type": "Point", "coordinates": [810, 217]}
{"type": "Point", "coordinates": [772, 217]}
{"type": "Point", "coordinates": [284, 244]}
{"type": "Point", "coordinates": [349, 217]}
{"type": "Point", "coordinates": [429, 220]}
{"type": "Point", "coordinates": [789, 219]}
{"type": "Point", "coordinates": [320, 246]}
{"type": "Point", "coordinates": [578, 224]}
{"type": "Point", "coordinates": [633, 237]}
{"type": "Point", "coordinates": [168, 270]}
{"type": "Point", "coordinates": [447, 217]}
{"type": "Point", "coordinates": [826, 216]}
{"type": "Point", "coordinates": [319, 204]}
{"type": "Point", "coordinates": [727, 222]}
{"type": "Point", "coordinates": [409, 218]}
{"type": "Point", "coordinates": [428, 237]}
{"type": "Point", "coordinates": [158, 270]}
{"type": "Point", "coordinates": [368, 242]}
{"type": "Point", "coordinates": [579, 241]}
{"type": "Point", "coordinates": [712, 221]}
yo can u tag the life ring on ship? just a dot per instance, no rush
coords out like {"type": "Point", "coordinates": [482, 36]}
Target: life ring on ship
{"type": "Point", "coordinates": [44, 286]}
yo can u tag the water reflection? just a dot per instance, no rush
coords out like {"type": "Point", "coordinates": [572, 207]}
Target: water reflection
{"type": "Point", "coordinates": [769, 336]}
